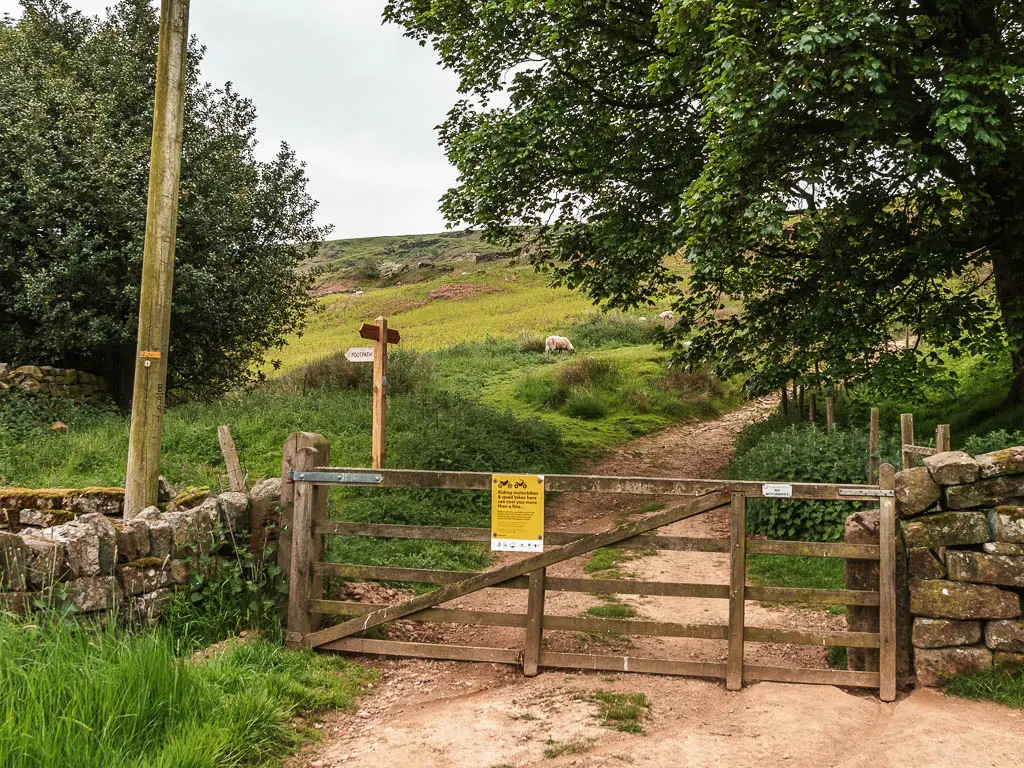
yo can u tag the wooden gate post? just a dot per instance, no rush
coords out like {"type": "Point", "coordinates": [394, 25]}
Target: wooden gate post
{"type": "Point", "coordinates": [534, 623]}
{"type": "Point", "coordinates": [907, 458]}
{"type": "Point", "coordinates": [943, 441]}
{"type": "Point", "coordinates": [303, 451]}
{"type": "Point", "coordinates": [737, 591]}
{"type": "Point", "coordinates": [887, 586]}
{"type": "Point", "coordinates": [873, 459]}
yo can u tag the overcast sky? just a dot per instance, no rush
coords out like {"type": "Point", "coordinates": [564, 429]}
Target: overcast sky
{"type": "Point", "coordinates": [356, 100]}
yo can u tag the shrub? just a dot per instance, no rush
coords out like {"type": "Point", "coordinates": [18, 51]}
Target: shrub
{"type": "Point", "coordinates": [585, 405]}
{"type": "Point", "coordinates": [585, 370]}
{"type": "Point", "coordinates": [804, 454]}
{"type": "Point", "coordinates": [407, 372]}
{"type": "Point", "coordinates": [613, 329]}
{"type": "Point", "coordinates": [531, 344]}
{"type": "Point", "coordinates": [22, 413]}
{"type": "Point", "coordinates": [993, 441]}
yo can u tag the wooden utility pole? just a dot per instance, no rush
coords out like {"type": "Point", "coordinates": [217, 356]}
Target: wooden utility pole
{"type": "Point", "coordinates": [158, 260]}
{"type": "Point", "coordinates": [379, 333]}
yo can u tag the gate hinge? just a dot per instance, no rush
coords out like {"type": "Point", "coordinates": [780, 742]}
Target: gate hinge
{"type": "Point", "coordinates": [337, 478]}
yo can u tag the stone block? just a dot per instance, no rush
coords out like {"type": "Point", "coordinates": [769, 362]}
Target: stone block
{"type": "Point", "coordinates": [234, 512]}
{"type": "Point", "coordinates": [953, 468]}
{"type": "Point", "coordinates": [925, 564]}
{"type": "Point", "coordinates": [1002, 547]}
{"type": "Point", "coordinates": [947, 529]}
{"type": "Point", "coordinates": [916, 492]}
{"type": "Point", "coordinates": [1007, 524]}
{"type": "Point", "coordinates": [14, 556]}
{"type": "Point", "coordinates": [90, 544]}
{"type": "Point", "coordinates": [862, 528]}
{"type": "Point", "coordinates": [980, 568]}
{"type": "Point", "coordinates": [1009, 662]}
{"type": "Point", "coordinates": [151, 574]}
{"type": "Point", "coordinates": [40, 518]}
{"type": "Point", "coordinates": [94, 593]}
{"type": "Point", "coordinates": [133, 540]}
{"type": "Point", "coordinates": [47, 561]}
{"type": "Point", "coordinates": [985, 493]}
{"type": "Point", "coordinates": [105, 502]}
{"type": "Point", "coordinates": [161, 534]}
{"type": "Point", "coordinates": [149, 608]}
{"type": "Point", "coordinates": [1005, 636]}
{"type": "Point", "coordinates": [939, 599]}
{"type": "Point", "coordinates": [935, 665]}
{"type": "Point", "coordinates": [943, 633]}
{"type": "Point", "coordinates": [1009, 461]}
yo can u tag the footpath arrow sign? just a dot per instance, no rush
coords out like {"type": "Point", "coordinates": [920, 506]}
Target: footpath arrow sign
{"type": "Point", "coordinates": [360, 355]}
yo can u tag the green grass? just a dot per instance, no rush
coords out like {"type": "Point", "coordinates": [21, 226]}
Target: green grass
{"type": "Point", "coordinates": [555, 749]}
{"type": "Point", "coordinates": [795, 572]}
{"type": "Point", "coordinates": [994, 684]}
{"type": "Point", "coordinates": [103, 698]}
{"type": "Point", "coordinates": [614, 610]}
{"type": "Point", "coordinates": [509, 303]}
{"type": "Point", "coordinates": [338, 256]}
{"type": "Point", "coordinates": [621, 711]}
{"type": "Point", "coordinates": [605, 559]}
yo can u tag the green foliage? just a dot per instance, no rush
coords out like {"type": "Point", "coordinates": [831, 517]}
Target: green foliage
{"type": "Point", "coordinates": [24, 413]}
{"type": "Point", "coordinates": [995, 684]}
{"type": "Point", "coordinates": [609, 329]}
{"type": "Point", "coordinates": [95, 698]}
{"type": "Point", "coordinates": [605, 559]}
{"type": "Point", "coordinates": [227, 596]}
{"type": "Point", "coordinates": [993, 441]}
{"type": "Point", "coordinates": [73, 195]}
{"type": "Point", "coordinates": [585, 405]}
{"type": "Point", "coordinates": [408, 371]}
{"type": "Point", "coordinates": [843, 170]}
{"type": "Point", "coordinates": [804, 454]}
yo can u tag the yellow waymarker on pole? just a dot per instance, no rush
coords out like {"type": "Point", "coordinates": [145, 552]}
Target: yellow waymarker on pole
{"type": "Point", "coordinates": [517, 513]}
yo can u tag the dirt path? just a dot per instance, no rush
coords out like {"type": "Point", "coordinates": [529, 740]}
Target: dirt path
{"type": "Point", "coordinates": [452, 715]}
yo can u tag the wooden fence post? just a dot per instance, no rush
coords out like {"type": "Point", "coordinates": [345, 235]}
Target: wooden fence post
{"type": "Point", "coordinates": [737, 591]}
{"type": "Point", "coordinates": [785, 401]}
{"type": "Point", "coordinates": [873, 459]}
{"type": "Point", "coordinates": [887, 586]}
{"type": "Point", "coordinates": [534, 623]}
{"type": "Point", "coordinates": [303, 505]}
{"type": "Point", "coordinates": [800, 402]}
{"type": "Point", "coordinates": [943, 441]}
{"type": "Point", "coordinates": [907, 438]}
{"type": "Point", "coordinates": [830, 414]}
{"type": "Point", "coordinates": [236, 477]}
{"type": "Point", "coordinates": [813, 406]}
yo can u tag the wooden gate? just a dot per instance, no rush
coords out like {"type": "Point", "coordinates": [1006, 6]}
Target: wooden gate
{"type": "Point", "coordinates": [306, 524]}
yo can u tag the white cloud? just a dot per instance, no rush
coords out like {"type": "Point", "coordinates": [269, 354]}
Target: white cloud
{"type": "Point", "coordinates": [356, 100]}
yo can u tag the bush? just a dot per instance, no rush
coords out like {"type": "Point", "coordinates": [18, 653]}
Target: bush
{"type": "Point", "coordinates": [804, 454]}
{"type": "Point", "coordinates": [613, 330]}
{"type": "Point", "coordinates": [407, 372]}
{"type": "Point", "coordinates": [585, 370]}
{"type": "Point", "coordinates": [585, 405]}
{"type": "Point", "coordinates": [993, 441]}
{"type": "Point", "coordinates": [531, 344]}
{"type": "Point", "coordinates": [22, 413]}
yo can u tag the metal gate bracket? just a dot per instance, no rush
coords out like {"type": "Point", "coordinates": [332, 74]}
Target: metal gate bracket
{"type": "Point", "coordinates": [337, 478]}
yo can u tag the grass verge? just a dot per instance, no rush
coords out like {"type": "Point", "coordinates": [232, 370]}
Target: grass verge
{"type": "Point", "coordinates": [998, 685]}
{"type": "Point", "coordinates": [97, 698]}
{"type": "Point", "coordinates": [621, 711]}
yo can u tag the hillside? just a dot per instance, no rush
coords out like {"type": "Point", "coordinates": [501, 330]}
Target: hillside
{"type": "Point", "coordinates": [349, 264]}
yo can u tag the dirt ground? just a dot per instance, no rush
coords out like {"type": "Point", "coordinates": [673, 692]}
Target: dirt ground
{"type": "Point", "coordinates": [427, 714]}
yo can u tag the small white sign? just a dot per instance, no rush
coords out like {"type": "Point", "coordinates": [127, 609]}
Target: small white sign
{"type": "Point", "coordinates": [360, 355]}
{"type": "Point", "coordinates": [777, 491]}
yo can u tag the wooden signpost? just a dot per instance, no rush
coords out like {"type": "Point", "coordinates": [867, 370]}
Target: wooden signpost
{"type": "Point", "coordinates": [380, 333]}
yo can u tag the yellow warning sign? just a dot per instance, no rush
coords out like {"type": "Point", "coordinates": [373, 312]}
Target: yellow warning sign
{"type": "Point", "coordinates": [517, 513]}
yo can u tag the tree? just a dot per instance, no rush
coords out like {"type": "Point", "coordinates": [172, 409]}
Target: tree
{"type": "Point", "coordinates": [76, 105]}
{"type": "Point", "coordinates": [842, 169]}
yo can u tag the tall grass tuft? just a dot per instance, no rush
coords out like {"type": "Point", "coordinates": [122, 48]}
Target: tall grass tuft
{"type": "Point", "coordinates": [103, 698]}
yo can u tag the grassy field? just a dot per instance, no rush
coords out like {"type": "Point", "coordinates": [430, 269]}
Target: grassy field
{"type": "Point", "coordinates": [496, 303]}
{"type": "Point", "coordinates": [339, 256]}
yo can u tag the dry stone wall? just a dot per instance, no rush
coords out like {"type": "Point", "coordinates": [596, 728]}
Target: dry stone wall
{"type": "Point", "coordinates": [57, 382]}
{"type": "Point", "coordinates": [97, 562]}
{"type": "Point", "coordinates": [962, 521]}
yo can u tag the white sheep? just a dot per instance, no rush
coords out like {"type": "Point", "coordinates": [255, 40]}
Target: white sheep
{"type": "Point", "coordinates": [668, 314]}
{"type": "Point", "coordinates": [557, 344]}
